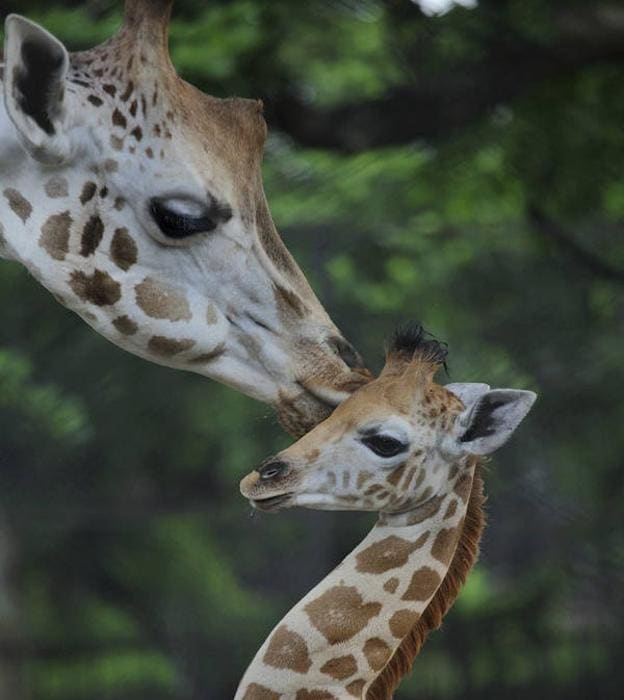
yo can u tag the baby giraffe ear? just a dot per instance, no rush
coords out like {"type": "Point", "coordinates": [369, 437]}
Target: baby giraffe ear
{"type": "Point", "coordinates": [36, 65]}
{"type": "Point", "coordinates": [467, 392]}
{"type": "Point", "coordinates": [490, 421]}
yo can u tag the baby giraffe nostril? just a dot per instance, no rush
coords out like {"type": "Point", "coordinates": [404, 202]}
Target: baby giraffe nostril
{"type": "Point", "coordinates": [272, 470]}
{"type": "Point", "coordinates": [347, 353]}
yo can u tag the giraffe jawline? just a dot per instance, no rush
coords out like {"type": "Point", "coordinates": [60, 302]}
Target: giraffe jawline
{"type": "Point", "coordinates": [273, 503]}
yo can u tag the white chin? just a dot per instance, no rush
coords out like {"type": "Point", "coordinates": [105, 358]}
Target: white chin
{"type": "Point", "coordinates": [317, 501]}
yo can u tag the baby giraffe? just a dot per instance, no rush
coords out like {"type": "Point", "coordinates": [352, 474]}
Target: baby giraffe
{"type": "Point", "coordinates": [409, 449]}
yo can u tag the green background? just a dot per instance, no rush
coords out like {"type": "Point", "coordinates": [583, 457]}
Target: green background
{"type": "Point", "coordinates": [465, 170]}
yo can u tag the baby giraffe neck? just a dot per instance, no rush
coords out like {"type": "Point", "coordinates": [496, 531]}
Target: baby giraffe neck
{"type": "Point", "coordinates": [338, 639]}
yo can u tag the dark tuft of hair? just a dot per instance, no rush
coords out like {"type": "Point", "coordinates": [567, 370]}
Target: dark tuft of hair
{"type": "Point", "coordinates": [412, 340]}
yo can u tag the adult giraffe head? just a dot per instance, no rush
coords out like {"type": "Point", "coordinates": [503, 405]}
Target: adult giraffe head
{"type": "Point", "coordinates": [137, 200]}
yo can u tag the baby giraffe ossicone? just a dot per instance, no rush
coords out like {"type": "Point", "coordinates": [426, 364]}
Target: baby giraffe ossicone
{"type": "Point", "coordinates": [411, 450]}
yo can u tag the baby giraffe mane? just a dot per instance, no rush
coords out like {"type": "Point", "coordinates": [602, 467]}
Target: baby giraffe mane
{"type": "Point", "coordinates": [464, 559]}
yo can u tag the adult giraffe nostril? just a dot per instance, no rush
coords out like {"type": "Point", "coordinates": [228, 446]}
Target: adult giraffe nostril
{"type": "Point", "coordinates": [272, 470]}
{"type": "Point", "coordinates": [347, 353]}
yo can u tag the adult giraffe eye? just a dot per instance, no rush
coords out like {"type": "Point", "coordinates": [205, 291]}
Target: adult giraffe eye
{"type": "Point", "coordinates": [384, 445]}
{"type": "Point", "coordinates": [176, 223]}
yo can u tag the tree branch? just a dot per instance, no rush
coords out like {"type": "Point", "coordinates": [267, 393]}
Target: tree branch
{"type": "Point", "coordinates": [437, 105]}
{"type": "Point", "coordinates": [551, 230]}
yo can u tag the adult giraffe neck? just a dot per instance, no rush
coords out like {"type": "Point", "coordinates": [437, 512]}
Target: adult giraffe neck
{"type": "Point", "coordinates": [357, 632]}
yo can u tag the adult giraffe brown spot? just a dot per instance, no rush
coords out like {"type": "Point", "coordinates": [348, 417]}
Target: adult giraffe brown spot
{"type": "Point", "coordinates": [208, 356]}
{"type": "Point", "coordinates": [304, 694]}
{"type": "Point", "coordinates": [356, 687]}
{"type": "Point", "coordinates": [444, 544]}
{"type": "Point", "coordinates": [168, 347]}
{"type": "Point", "coordinates": [125, 325]}
{"type": "Point", "coordinates": [340, 668]}
{"type": "Point", "coordinates": [95, 101]}
{"type": "Point", "coordinates": [111, 166]}
{"type": "Point", "coordinates": [162, 301]}
{"type": "Point", "coordinates": [391, 585]}
{"type": "Point", "coordinates": [119, 119]}
{"type": "Point", "coordinates": [123, 249]}
{"type": "Point", "coordinates": [19, 204]}
{"type": "Point", "coordinates": [110, 90]}
{"type": "Point", "coordinates": [211, 315]}
{"type": "Point", "coordinates": [424, 583]}
{"type": "Point", "coordinates": [116, 143]}
{"type": "Point", "coordinates": [57, 187]}
{"type": "Point", "coordinates": [99, 288]}
{"type": "Point", "coordinates": [127, 92]}
{"type": "Point", "coordinates": [377, 653]}
{"type": "Point", "coordinates": [54, 237]}
{"type": "Point", "coordinates": [91, 236]}
{"type": "Point", "coordinates": [259, 692]}
{"type": "Point", "coordinates": [389, 553]}
{"type": "Point", "coordinates": [137, 132]}
{"type": "Point", "coordinates": [340, 613]}
{"type": "Point", "coordinates": [402, 622]}
{"type": "Point", "coordinates": [289, 650]}
{"type": "Point", "coordinates": [88, 192]}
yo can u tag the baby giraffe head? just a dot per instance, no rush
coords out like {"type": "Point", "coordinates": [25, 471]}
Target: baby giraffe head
{"type": "Point", "coordinates": [395, 445]}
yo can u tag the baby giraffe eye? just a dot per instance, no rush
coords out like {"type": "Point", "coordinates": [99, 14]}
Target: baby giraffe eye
{"type": "Point", "coordinates": [384, 445]}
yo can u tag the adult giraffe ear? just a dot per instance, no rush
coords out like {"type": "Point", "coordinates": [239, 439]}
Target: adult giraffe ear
{"type": "Point", "coordinates": [491, 420]}
{"type": "Point", "coordinates": [36, 65]}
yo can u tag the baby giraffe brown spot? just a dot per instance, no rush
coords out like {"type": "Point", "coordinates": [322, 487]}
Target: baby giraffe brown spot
{"type": "Point", "coordinates": [259, 692]}
{"type": "Point", "coordinates": [162, 301]}
{"type": "Point", "coordinates": [402, 622]}
{"type": "Point", "coordinates": [88, 192]}
{"type": "Point", "coordinates": [396, 475]}
{"type": "Point", "coordinates": [389, 553]}
{"type": "Point", "coordinates": [340, 613]}
{"type": "Point", "coordinates": [451, 510]}
{"type": "Point", "coordinates": [463, 486]}
{"type": "Point", "coordinates": [356, 687]}
{"type": "Point", "coordinates": [123, 249]}
{"type": "Point", "coordinates": [444, 544]}
{"type": "Point", "coordinates": [340, 668]}
{"type": "Point", "coordinates": [289, 650]}
{"type": "Point", "coordinates": [125, 325]}
{"type": "Point", "coordinates": [57, 187]}
{"type": "Point", "coordinates": [54, 237]}
{"type": "Point", "coordinates": [363, 477]}
{"type": "Point", "coordinates": [19, 204]}
{"type": "Point", "coordinates": [377, 653]}
{"type": "Point", "coordinates": [168, 347]}
{"type": "Point", "coordinates": [423, 585]}
{"type": "Point", "coordinates": [91, 236]}
{"type": "Point", "coordinates": [304, 694]}
{"type": "Point", "coordinates": [99, 288]}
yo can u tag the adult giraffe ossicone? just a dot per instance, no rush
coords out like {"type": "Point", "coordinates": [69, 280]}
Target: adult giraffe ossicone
{"type": "Point", "coordinates": [137, 201]}
{"type": "Point", "coordinates": [409, 449]}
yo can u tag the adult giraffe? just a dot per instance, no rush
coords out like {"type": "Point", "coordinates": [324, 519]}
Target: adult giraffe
{"type": "Point", "coordinates": [137, 200]}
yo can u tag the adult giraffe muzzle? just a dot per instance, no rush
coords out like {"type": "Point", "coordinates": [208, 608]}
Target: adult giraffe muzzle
{"type": "Point", "coordinates": [137, 200]}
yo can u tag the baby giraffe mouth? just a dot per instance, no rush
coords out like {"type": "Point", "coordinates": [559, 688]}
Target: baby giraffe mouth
{"type": "Point", "coordinates": [272, 504]}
